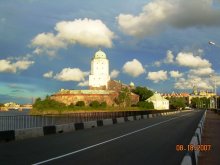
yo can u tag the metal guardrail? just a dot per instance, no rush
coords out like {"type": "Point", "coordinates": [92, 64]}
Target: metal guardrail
{"type": "Point", "coordinates": [31, 121]}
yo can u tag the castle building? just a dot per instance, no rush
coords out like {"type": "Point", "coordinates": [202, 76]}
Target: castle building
{"type": "Point", "coordinates": [101, 88]}
{"type": "Point", "coordinates": [99, 77]}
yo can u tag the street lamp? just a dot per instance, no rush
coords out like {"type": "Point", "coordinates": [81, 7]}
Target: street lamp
{"type": "Point", "coordinates": [215, 87]}
{"type": "Point", "coordinates": [214, 44]}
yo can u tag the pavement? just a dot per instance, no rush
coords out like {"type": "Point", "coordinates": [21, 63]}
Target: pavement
{"type": "Point", "coordinates": [211, 135]}
{"type": "Point", "coordinates": [150, 141]}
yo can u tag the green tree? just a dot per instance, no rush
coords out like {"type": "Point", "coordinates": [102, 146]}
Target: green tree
{"type": "Point", "coordinates": [177, 103]}
{"type": "Point", "coordinates": [71, 106]}
{"type": "Point", "coordinates": [103, 104]}
{"type": "Point", "coordinates": [200, 102]}
{"type": "Point", "coordinates": [145, 104]}
{"type": "Point", "coordinates": [143, 92]}
{"type": "Point", "coordinates": [48, 103]}
{"type": "Point", "coordinates": [124, 97]}
{"type": "Point", "coordinates": [80, 103]}
{"type": "Point", "coordinates": [94, 104]}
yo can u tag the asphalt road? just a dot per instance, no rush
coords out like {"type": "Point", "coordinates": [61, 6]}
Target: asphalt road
{"type": "Point", "coordinates": [149, 141]}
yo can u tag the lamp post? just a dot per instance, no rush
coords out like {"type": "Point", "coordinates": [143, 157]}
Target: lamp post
{"type": "Point", "coordinates": [213, 44]}
{"type": "Point", "coordinates": [215, 87]}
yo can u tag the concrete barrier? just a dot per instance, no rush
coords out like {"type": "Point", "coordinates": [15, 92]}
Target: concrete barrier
{"type": "Point", "coordinates": [198, 135]}
{"type": "Point", "coordinates": [21, 134]}
{"type": "Point", "coordinates": [120, 120]}
{"type": "Point", "coordinates": [107, 122]}
{"type": "Point", "coordinates": [187, 160]}
{"type": "Point", "coordinates": [79, 126]}
{"type": "Point", "coordinates": [65, 128]}
{"type": "Point", "coordinates": [145, 116]}
{"type": "Point", "coordinates": [150, 115]}
{"type": "Point", "coordinates": [51, 129]}
{"type": "Point", "coordinates": [138, 117]}
{"type": "Point", "coordinates": [91, 124]}
{"type": "Point", "coordinates": [6, 136]}
{"type": "Point", "coordinates": [130, 118]}
{"type": "Point", "coordinates": [195, 141]}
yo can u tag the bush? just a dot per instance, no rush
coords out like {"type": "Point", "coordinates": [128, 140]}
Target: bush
{"type": "Point", "coordinates": [48, 104]}
{"type": "Point", "coordinates": [94, 104]}
{"type": "Point", "coordinates": [103, 104]}
{"type": "Point", "coordinates": [145, 104]}
{"type": "Point", "coordinates": [71, 105]}
{"type": "Point", "coordinates": [80, 103]}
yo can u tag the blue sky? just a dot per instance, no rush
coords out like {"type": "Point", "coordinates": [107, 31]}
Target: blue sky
{"type": "Point", "coordinates": [162, 44]}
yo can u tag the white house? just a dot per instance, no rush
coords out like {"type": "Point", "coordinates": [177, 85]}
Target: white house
{"type": "Point", "coordinates": [159, 102]}
{"type": "Point", "coordinates": [99, 76]}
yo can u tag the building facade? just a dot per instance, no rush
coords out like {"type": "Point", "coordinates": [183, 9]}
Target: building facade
{"type": "Point", "coordinates": [159, 102]}
{"type": "Point", "coordinates": [99, 77]}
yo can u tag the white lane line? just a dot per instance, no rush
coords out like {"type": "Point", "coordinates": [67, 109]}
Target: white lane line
{"type": "Point", "coordinates": [107, 141]}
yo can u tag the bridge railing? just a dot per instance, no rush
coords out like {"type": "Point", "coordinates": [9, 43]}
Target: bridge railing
{"type": "Point", "coordinates": [31, 121]}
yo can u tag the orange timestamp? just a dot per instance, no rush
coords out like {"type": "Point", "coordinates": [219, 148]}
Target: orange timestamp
{"type": "Point", "coordinates": [191, 147]}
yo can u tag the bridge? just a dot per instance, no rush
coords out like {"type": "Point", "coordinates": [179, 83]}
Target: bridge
{"type": "Point", "coordinates": [149, 141]}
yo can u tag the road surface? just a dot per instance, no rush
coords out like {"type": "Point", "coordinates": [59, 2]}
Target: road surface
{"type": "Point", "coordinates": [147, 141]}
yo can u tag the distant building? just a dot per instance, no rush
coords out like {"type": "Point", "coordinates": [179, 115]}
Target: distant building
{"type": "Point", "coordinates": [101, 88]}
{"type": "Point", "coordinates": [12, 105]}
{"type": "Point", "coordinates": [195, 94]}
{"type": "Point", "coordinates": [159, 102]}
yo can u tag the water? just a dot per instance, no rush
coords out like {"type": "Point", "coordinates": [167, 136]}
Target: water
{"type": "Point", "coordinates": [13, 119]}
{"type": "Point", "coordinates": [14, 112]}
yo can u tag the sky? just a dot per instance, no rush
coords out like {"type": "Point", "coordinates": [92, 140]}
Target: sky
{"type": "Point", "coordinates": [160, 44]}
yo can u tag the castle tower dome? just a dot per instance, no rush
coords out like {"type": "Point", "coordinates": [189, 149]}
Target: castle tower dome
{"type": "Point", "coordinates": [99, 75]}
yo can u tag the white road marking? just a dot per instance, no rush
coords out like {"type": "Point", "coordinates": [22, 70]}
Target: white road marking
{"type": "Point", "coordinates": [107, 141]}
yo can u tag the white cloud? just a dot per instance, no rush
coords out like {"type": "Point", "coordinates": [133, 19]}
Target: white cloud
{"type": "Point", "coordinates": [189, 60]}
{"type": "Point", "coordinates": [157, 15]}
{"type": "Point", "coordinates": [169, 58]}
{"type": "Point", "coordinates": [190, 81]}
{"type": "Point", "coordinates": [23, 65]}
{"type": "Point", "coordinates": [83, 84]}
{"type": "Point", "coordinates": [157, 63]}
{"type": "Point", "coordinates": [71, 74]}
{"type": "Point", "coordinates": [87, 32]}
{"type": "Point", "coordinates": [48, 74]}
{"type": "Point", "coordinates": [202, 71]}
{"type": "Point", "coordinates": [157, 76]}
{"type": "Point", "coordinates": [148, 21]}
{"type": "Point", "coordinates": [6, 66]}
{"type": "Point", "coordinates": [114, 73]}
{"type": "Point", "coordinates": [10, 67]}
{"type": "Point", "coordinates": [133, 68]}
{"type": "Point", "coordinates": [48, 40]}
{"type": "Point", "coordinates": [175, 74]}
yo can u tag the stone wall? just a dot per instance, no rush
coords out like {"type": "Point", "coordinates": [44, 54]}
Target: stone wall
{"type": "Point", "coordinates": [87, 98]}
{"type": "Point", "coordinates": [68, 98]}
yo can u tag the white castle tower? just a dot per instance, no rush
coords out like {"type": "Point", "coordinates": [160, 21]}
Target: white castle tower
{"type": "Point", "coordinates": [99, 77]}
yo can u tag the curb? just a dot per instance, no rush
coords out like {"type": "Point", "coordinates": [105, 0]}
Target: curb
{"type": "Point", "coordinates": [191, 157]}
{"type": "Point", "coordinates": [20, 134]}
